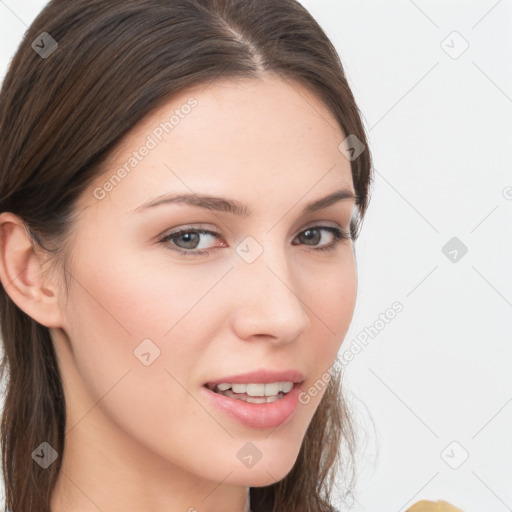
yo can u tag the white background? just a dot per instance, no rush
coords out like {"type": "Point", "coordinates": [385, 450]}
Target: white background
{"type": "Point", "coordinates": [440, 132]}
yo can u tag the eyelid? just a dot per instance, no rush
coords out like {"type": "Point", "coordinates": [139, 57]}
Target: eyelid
{"type": "Point", "coordinates": [199, 228]}
{"type": "Point", "coordinates": [204, 229]}
{"type": "Point", "coordinates": [339, 234]}
{"type": "Point", "coordinates": [207, 228]}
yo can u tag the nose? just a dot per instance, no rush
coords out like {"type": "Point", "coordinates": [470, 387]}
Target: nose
{"type": "Point", "coordinates": [268, 300]}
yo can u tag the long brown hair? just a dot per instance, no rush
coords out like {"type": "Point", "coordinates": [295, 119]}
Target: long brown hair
{"type": "Point", "coordinates": [61, 115]}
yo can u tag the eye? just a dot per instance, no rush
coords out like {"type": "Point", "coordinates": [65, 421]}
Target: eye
{"type": "Point", "coordinates": [186, 240]}
{"type": "Point", "coordinates": [312, 234]}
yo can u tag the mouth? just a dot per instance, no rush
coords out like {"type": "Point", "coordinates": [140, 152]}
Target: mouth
{"type": "Point", "coordinates": [263, 398]}
{"type": "Point", "coordinates": [254, 393]}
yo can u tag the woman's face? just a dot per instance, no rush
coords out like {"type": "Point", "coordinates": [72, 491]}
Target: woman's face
{"type": "Point", "coordinates": [150, 319]}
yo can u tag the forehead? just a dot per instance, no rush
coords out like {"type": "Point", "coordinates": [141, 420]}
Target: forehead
{"type": "Point", "coordinates": [246, 138]}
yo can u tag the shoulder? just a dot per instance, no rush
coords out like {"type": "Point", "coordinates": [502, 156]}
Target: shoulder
{"type": "Point", "coordinates": [433, 506]}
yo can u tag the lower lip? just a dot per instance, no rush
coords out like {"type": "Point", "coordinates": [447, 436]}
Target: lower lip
{"type": "Point", "coordinates": [269, 415]}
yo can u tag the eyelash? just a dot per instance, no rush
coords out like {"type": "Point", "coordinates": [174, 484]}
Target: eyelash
{"type": "Point", "coordinates": [339, 236]}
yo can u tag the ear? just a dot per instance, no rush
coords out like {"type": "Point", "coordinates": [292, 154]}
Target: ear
{"type": "Point", "coordinates": [22, 273]}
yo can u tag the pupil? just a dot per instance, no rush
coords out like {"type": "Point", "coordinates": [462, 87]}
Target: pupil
{"type": "Point", "coordinates": [187, 237]}
{"type": "Point", "coordinates": [312, 233]}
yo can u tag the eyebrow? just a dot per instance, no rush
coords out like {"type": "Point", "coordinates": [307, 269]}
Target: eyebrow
{"type": "Point", "coordinates": [222, 204]}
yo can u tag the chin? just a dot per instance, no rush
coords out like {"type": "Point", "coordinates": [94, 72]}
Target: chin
{"type": "Point", "coordinates": [264, 472]}
{"type": "Point", "coordinates": [260, 478]}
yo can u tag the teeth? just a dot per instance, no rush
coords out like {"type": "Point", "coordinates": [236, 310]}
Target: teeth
{"type": "Point", "coordinates": [254, 400]}
{"type": "Point", "coordinates": [251, 399]}
{"type": "Point", "coordinates": [272, 388]}
{"type": "Point", "coordinates": [256, 390]}
{"type": "Point", "coordinates": [286, 386]}
{"type": "Point", "coordinates": [261, 390]}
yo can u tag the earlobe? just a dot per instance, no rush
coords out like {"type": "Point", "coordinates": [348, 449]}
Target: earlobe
{"type": "Point", "coordinates": [21, 273]}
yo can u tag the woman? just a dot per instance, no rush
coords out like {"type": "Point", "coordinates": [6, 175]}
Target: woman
{"type": "Point", "coordinates": [181, 188]}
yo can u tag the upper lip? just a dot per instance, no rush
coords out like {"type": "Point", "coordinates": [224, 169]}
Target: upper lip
{"type": "Point", "coordinates": [263, 376]}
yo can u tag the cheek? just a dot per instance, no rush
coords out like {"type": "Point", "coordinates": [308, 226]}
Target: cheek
{"type": "Point", "coordinates": [125, 299]}
{"type": "Point", "coordinates": [123, 317]}
{"type": "Point", "coordinates": [111, 312]}
{"type": "Point", "coordinates": [332, 302]}
{"type": "Point", "coordinates": [123, 307]}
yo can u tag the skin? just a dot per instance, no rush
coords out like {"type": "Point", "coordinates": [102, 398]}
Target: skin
{"type": "Point", "coordinates": [142, 437]}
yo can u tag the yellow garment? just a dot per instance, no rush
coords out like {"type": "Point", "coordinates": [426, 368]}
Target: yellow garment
{"type": "Point", "coordinates": [431, 506]}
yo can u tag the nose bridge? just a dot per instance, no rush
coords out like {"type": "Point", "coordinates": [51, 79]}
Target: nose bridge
{"type": "Point", "coordinates": [268, 300]}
